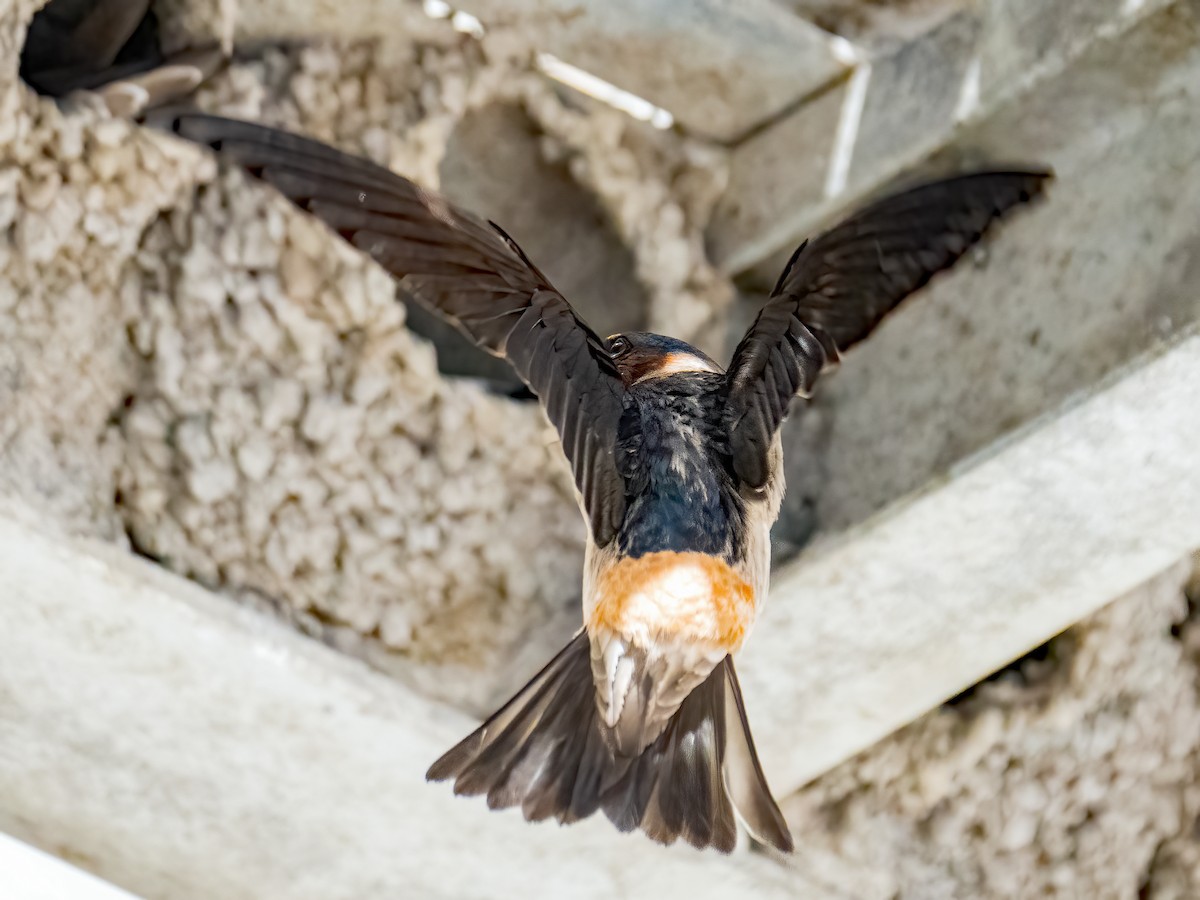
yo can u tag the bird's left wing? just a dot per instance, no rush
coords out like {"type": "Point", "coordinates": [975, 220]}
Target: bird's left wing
{"type": "Point", "coordinates": [468, 270]}
{"type": "Point", "coordinates": [835, 289]}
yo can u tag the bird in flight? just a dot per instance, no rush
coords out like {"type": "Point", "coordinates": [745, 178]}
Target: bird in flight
{"type": "Point", "coordinates": [678, 466]}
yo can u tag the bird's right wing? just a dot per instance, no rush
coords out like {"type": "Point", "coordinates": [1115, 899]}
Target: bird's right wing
{"type": "Point", "coordinates": [835, 289]}
{"type": "Point", "coordinates": [466, 269]}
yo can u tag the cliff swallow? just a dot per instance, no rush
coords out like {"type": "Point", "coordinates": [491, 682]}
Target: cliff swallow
{"type": "Point", "coordinates": [677, 462]}
{"type": "Point", "coordinates": [112, 48]}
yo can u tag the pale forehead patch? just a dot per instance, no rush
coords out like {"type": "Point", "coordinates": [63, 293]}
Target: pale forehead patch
{"type": "Point", "coordinates": [678, 361]}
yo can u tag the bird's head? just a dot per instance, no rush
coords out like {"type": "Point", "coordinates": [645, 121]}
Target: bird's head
{"type": "Point", "coordinates": [641, 356]}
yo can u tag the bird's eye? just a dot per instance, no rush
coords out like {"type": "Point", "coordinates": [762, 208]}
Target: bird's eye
{"type": "Point", "coordinates": [618, 346]}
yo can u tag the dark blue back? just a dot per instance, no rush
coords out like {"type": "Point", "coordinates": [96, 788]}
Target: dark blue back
{"type": "Point", "coordinates": [674, 456]}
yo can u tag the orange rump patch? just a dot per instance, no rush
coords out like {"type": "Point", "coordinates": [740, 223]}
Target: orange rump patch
{"type": "Point", "coordinates": [692, 596]}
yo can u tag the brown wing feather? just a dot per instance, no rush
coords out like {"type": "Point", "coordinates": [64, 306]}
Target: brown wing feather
{"type": "Point", "coordinates": [467, 270]}
{"type": "Point", "coordinates": [835, 289]}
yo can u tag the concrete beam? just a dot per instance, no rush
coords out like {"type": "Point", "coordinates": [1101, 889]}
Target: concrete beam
{"type": "Point", "coordinates": [897, 110]}
{"type": "Point", "coordinates": [29, 874]}
{"type": "Point", "coordinates": [868, 631]}
{"type": "Point", "coordinates": [720, 67]}
{"type": "Point", "coordinates": [184, 747]}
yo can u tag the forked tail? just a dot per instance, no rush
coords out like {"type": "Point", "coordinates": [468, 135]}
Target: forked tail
{"type": "Point", "coordinates": [547, 751]}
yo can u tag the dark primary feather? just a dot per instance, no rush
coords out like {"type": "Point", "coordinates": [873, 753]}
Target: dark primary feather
{"type": "Point", "coordinates": [835, 289]}
{"type": "Point", "coordinates": [468, 270]}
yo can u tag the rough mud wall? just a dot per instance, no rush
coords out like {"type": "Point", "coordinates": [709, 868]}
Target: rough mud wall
{"type": "Point", "coordinates": [287, 437]}
{"type": "Point", "coordinates": [1072, 774]}
{"type": "Point", "coordinates": [76, 193]}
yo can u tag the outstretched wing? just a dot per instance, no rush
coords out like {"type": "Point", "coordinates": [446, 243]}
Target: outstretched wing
{"type": "Point", "coordinates": [466, 269]}
{"type": "Point", "coordinates": [835, 289]}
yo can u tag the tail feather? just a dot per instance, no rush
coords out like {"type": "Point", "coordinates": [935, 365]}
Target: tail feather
{"type": "Point", "coordinates": [744, 777]}
{"type": "Point", "coordinates": [485, 761]}
{"type": "Point", "coordinates": [690, 800]}
{"type": "Point", "coordinates": [548, 751]}
{"type": "Point", "coordinates": [628, 796]}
